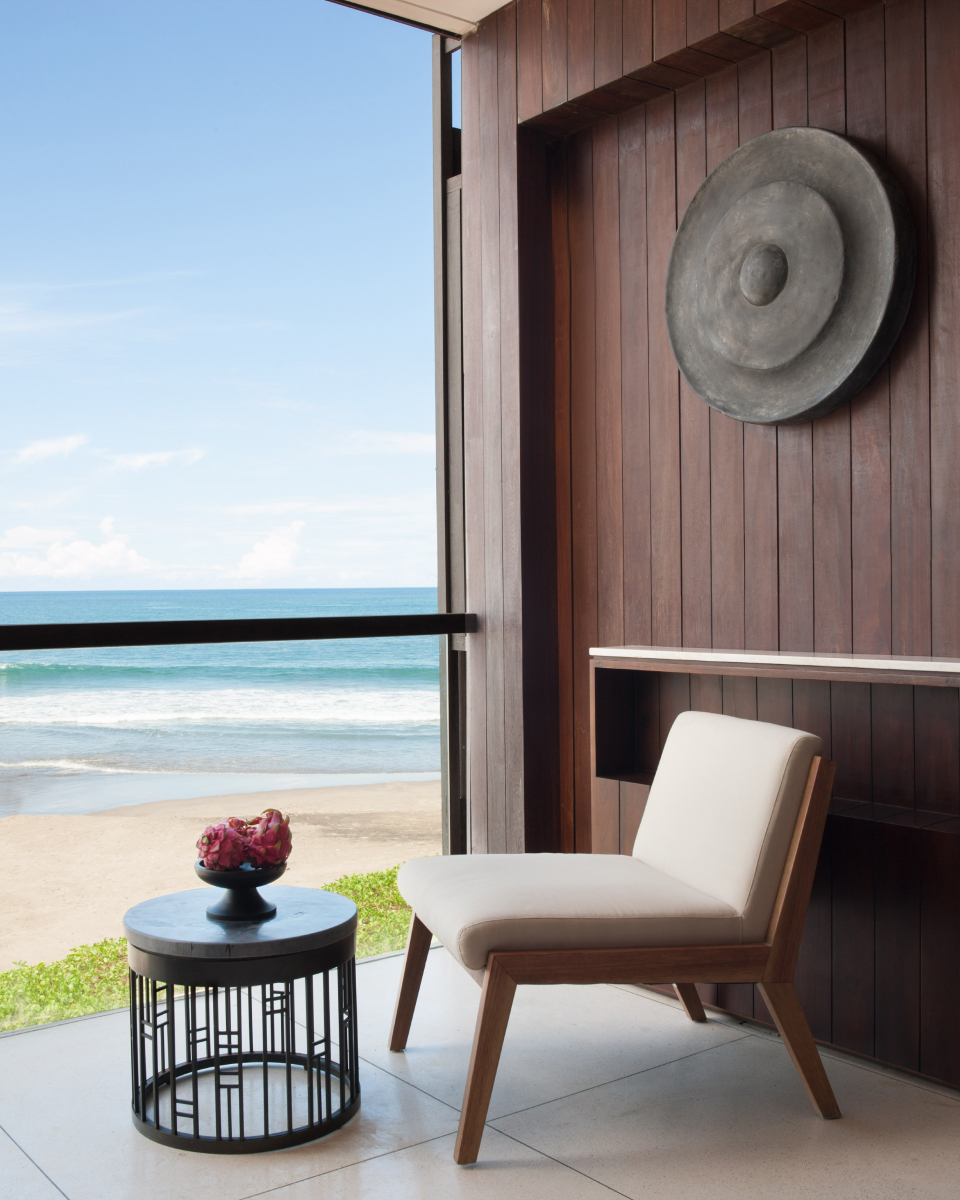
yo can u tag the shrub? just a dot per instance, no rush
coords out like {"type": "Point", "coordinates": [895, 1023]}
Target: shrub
{"type": "Point", "coordinates": [93, 979]}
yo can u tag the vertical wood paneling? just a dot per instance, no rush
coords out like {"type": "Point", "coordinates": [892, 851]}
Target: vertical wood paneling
{"type": "Point", "coordinates": [706, 693]}
{"type": "Point", "coordinates": [870, 411]}
{"type": "Point", "coordinates": [826, 78]}
{"type": "Point", "coordinates": [608, 41]}
{"type": "Point", "coordinates": [943, 183]}
{"type": "Point", "coordinates": [637, 34]}
{"type": "Point", "coordinates": [473, 441]}
{"type": "Point", "coordinates": [760, 465]}
{"type": "Point", "coordinates": [726, 434]}
{"type": "Point", "coordinates": [669, 27]}
{"type": "Point", "coordinates": [795, 484]}
{"type": "Point", "coordinates": [635, 378]}
{"type": "Point", "coordinates": [664, 379]}
{"type": "Point", "coordinates": [694, 414]}
{"type": "Point", "coordinates": [775, 701]}
{"type": "Point", "coordinates": [554, 52]}
{"type": "Point", "coordinates": [897, 987]}
{"type": "Point", "coordinates": [937, 749]}
{"type": "Point", "coordinates": [893, 744]}
{"type": "Point", "coordinates": [789, 70]}
{"type": "Point", "coordinates": [509, 315]}
{"type": "Point", "coordinates": [732, 12]}
{"type": "Point", "coordinates": [580, 47]}
{"type": "Point", "coordinates": [674, 699]}
{"type": "Point", "coordinates": [832, 570]}
{"type": "Point", "coordinates": [814, 975]}
{"type": "Point", "coordinates": [756, 98]}
{"type": "Point", "coordinates": [703, 19]}
{"type": "Point", "coordinates": [606, 242]}
{"type": "Point", "coordinates": [583, 445]}
{"type": "Point", "coordinates": [491, 428]}
{"type": "Point", "coordinates": [830, 451]}
{"type": "Point", "coordinates": [850, 733]}
{"type": "Point", "coordinates": [529, 59]}
{"type": "Point", "coordinates": [939, 961]}
{"type": "Point", "coordinates": [853, 934]}
{"type": "Point", "coordinates": [561, 376]}
{"type": "Point", "coordinates": [906, 138]}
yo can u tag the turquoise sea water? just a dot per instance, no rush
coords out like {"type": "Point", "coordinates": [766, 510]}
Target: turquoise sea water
{"type": "Point", "coordinates": [82, 730]}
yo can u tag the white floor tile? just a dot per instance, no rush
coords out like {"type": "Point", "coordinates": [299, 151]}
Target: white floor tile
{"type": "Point", "coordinates": [617, 1094]}
{"type": "Point", "coordinates": [64, 1097]}
{"type": "Point", "coordinates": [735, 1124]}
{"type": "Point", "coordinates": [559, 1040]}
{"type": "Point", "coordinates": [19, 1178]}
{"type": "Point", "coordinates": [428, 1172]}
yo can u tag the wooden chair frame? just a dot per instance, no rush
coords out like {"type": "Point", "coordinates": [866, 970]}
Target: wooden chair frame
{"type": "Point", "coordinates": [769, 964]}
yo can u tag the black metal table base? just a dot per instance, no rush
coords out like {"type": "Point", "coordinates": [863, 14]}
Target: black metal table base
{"type": "Point", "coordinates": [254, 1067]}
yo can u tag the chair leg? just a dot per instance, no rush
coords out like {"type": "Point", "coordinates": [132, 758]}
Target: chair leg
{"type": "Point", "coordinates": [418, 943]}
{"type": "Point", "coordinates": [787, 1011]}
{"type": "Point", "coordinates": [495, 1004]}
{"type": "Point", "coordinates": [690, 999]}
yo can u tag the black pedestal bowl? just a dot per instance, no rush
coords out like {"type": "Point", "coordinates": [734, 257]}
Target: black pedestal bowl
{"type": "Point", "coordinates": [241, 900]}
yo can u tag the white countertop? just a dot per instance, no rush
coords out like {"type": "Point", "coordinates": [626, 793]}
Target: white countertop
{"type": "Point", "coordinates": [784, 658]}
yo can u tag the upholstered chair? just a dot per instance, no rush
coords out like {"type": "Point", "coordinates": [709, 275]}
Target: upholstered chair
{"type": "Point", "coordinates": [716, 891]}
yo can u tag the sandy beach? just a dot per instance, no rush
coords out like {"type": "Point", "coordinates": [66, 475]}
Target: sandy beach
{"type": "Point", "coordinates": [73, 877]}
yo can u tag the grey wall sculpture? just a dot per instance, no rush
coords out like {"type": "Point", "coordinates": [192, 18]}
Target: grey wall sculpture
{"type": "Point", "coordinates": [790, 277]}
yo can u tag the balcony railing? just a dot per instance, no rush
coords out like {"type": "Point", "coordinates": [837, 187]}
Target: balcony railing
{"type": "Point", "coordinates": [259, 629]}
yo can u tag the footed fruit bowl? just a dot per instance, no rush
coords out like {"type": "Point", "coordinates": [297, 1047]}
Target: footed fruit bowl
{"type": "Point", "coordinates": [241, 901]}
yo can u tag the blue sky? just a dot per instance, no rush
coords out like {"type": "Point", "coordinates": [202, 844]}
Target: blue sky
{"type": "Point", "coordinates": [216, 322]}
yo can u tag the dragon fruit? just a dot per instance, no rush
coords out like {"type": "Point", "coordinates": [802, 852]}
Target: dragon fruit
{"type": "Point", "coordinates": [223, 847]}
{"type": "Point", "coordinates": [269, 841]}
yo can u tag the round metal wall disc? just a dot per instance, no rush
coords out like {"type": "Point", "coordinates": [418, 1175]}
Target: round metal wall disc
{"type": "Point", "coordinates": [790, 277]}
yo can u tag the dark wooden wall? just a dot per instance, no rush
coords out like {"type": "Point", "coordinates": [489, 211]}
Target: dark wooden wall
{"type": "Point", "coordinates": [690, 528]}
{"type": "Point", "coordinates": [606, 504]}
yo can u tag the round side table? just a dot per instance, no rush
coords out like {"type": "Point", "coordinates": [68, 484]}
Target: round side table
{"type": "Point", "coordinates": [243, 1034]}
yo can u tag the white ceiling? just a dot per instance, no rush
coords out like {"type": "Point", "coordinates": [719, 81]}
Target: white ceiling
{"type": "Point", "coordinates": [452, 16]}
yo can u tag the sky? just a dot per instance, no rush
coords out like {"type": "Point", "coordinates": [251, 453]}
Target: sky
{"type": "Point", "coordinates": [216, 304]}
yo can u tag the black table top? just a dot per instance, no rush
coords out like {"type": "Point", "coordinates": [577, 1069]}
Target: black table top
{"type": "Point", "coordinates": [178, 925]}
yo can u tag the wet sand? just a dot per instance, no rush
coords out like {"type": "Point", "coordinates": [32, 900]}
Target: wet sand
{"type": "Point", "coordinates": [70, 879]}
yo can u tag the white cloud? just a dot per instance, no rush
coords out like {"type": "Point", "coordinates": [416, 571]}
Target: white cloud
{"type": "Point", "coordinates": [71, 560]}
{"type": "Point", "coordinates": [156, 458]}
{"type": "Point", "coordinates": [24, 536]}
{"type": "Point", "coordinates": [276, 553]}
{"type": "Point", "coordinates": [122, 281]}
{"type": "Point", "coordinates": [382, 441]}
{"type": "Point", "coordinates": [416, 502]}
{"type": "Point", "coordinates": [23, 320]}
{"type": "Point", "coordinates": [51, 447]}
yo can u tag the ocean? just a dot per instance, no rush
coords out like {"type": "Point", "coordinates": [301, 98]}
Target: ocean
{"type": "Point", "coordinates": [86, 730]}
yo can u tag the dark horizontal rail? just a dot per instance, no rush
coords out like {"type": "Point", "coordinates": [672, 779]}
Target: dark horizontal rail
{"type": "Point", "coordinates": [263, 629]}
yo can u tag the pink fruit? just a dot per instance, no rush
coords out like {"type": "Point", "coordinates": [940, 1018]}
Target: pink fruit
{"type": "Point", "coordinates": [270, 842]}
{"type": "Point", "coordinates": [222, 847]}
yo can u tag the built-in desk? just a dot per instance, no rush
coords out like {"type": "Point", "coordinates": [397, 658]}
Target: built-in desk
{"type": "Point", "coordinates": [879, 970]}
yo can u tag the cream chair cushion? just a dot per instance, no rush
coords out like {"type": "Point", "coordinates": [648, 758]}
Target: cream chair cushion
{"type": "Point", "coordinates": [475, 903]}
{"type": "Point", "coordinates": [705, 868]}
{"type": "Point", "coordinates": [722, 809]}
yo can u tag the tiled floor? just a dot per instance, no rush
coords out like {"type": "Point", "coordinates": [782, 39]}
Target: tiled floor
{"type": "Point", "coordinates": [602, 1091]}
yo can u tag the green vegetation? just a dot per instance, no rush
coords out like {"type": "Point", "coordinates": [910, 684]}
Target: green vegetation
{"type": "Point", "coordinates": [93, 979]}
{"type": "Point", "coordinates": [90, 979]}
{"type": "Point", "coordinates": [384, 915]}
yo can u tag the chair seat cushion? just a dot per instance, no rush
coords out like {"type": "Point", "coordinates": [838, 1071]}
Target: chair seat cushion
{"type": "Point", "coordinates": [483, 902]}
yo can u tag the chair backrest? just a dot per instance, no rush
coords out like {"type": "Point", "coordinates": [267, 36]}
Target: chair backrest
{"type": "Point", "coordinates": [722, 809]}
